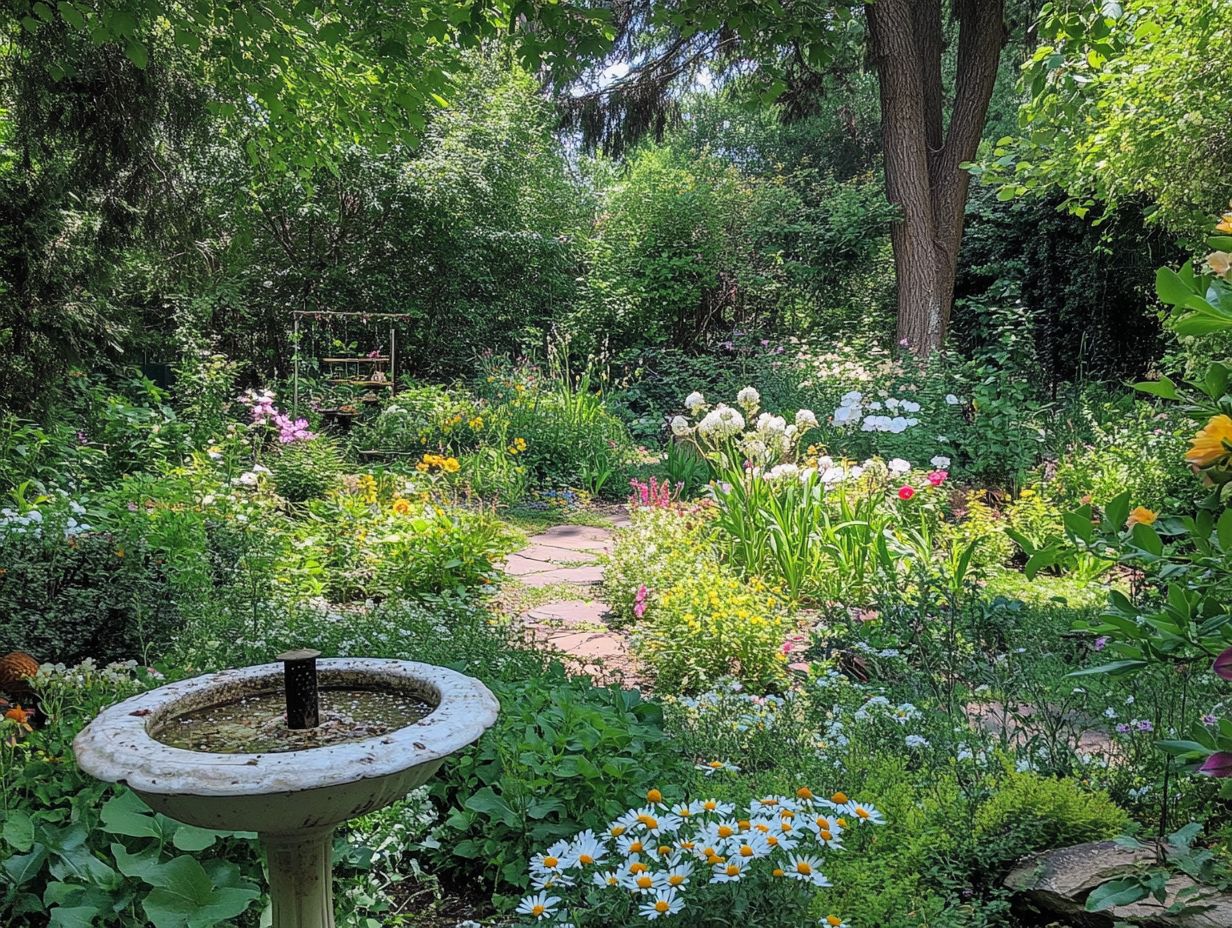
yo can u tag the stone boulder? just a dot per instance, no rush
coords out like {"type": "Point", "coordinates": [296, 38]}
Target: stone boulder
{"type": "Point", "coordinates": [1057, 883]}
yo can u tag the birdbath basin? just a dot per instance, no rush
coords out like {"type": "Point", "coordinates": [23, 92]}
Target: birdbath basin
{"type": "Point", "coordinates": [216, 751]}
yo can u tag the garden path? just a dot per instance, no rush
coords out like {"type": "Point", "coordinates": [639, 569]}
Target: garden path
{"type": "Point", "coordinates": [575, 625]}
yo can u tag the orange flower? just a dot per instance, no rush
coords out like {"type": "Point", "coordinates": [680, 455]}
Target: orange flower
{"type": "Point", "coordinates": [1225, 224]}
{"type": "Point", "coordinates": [401, 506]}
{"type": "Point", "coordinates": [1141, 515]}
{"type": "Point", "coordinates": [1212, 443]}
{"type": "Point", "coordinates": [20, 716]}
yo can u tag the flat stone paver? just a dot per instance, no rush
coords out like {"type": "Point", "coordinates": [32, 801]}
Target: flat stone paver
{"type": "Point", "coordinates": [576, 628]}
{"type": "Point", "coordinates": [582, 576]}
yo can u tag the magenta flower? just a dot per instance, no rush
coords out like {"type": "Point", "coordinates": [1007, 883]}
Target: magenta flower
{"type": "Point", "coordinates": [1100, 643]}
{"type": "Point", "coordinates": [1218, 764]}
{"type": "Point", "coordinates": [937, 477]}
{"type": "Point", "coordinates": [639, 601]}
{"type": "Point", "coordinates": [905, 492]}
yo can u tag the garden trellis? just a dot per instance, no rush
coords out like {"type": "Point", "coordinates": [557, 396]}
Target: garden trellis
{"type": "Point", "coordinates": [336, 341]}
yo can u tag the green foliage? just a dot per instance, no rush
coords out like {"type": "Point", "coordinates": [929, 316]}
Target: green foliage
{"type": "Point", "coordinates": [75, 593]}
{"type": "Point", "coordinates": [305, 470]}
{"type": "Point", "coordinates": [660, 548]}
{"type": "Point", "coordinates": [1029, 812]}
{"type": "Point", "coordinates": [711, 625]}
{"type": "Point", "coordinates": [1122, 105]}
{"type": "Point", "coordinates": [563, 756]}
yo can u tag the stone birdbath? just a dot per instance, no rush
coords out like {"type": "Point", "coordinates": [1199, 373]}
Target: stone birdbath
{"type": "Point", "coordinates": [288, 750]}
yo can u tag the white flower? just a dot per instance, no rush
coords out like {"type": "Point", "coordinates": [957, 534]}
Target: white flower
{"type": "Point", "coordinates": [586, 849]}
{"type": "Point", "coordinates": [694, 402]}
{"type": "Point", "coordinates": [771, 425]}
{"type": "Point", "coordinates": [916, 741]}
{"type": "Point", "coordinates": [538, 906]}
{"type": "Point", "coordinates": [717, 766]}
{"type": "Point", "coordinates": [805, 420]}
{"type": "Point", "coordinates": [941, 462]}
{"type": "Point", "coordinates": [910, 406]}
{"type": "Point", "coordinates": [844, 414]}
{"type": "Point", "coordinates": [864, 813]}
{"type": "Point", "coordinates": [680, 426]}
{"type": "Point", "coordinates": [730, 872]}
{"type": "Point", "coordinates": [749, 398]}
{"type": "Point", "coordinates": [898, 466]}
{"type": "Point", "coordinates": [807, 869]}
{"type": "Point", "coordinates": [781, 471]}
{"type": "Point", "coordinates": [951, 399]}
{"type": "Point", "coordinates": [665, 902]}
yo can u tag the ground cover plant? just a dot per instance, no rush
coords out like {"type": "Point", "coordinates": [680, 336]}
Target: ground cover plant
{"type": "Point", "coordinates": [834, 490]}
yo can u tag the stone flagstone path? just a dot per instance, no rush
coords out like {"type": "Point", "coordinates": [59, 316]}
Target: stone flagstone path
{"type": "Point", "coordinates": [575, 625]}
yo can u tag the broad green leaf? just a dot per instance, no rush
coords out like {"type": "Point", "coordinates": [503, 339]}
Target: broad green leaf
{"type": "Point", "coordinates": [126, 814]}
{"type": "Point", "coordinates": [1116, 668]}
{"type": "Point", "coordinates": [1170, 287]}
{"type": "Point", "coordinates": [1163, 387]}
{"type": "Point", "coordinates": [1121, 891]}
{"type": "Point", "coordinates": [18, 831]}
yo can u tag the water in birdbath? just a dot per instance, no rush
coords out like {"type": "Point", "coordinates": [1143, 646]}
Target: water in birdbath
{"type": "Point", "coordinates": [257, 724]}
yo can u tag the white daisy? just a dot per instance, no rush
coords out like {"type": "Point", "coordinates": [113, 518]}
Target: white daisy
{"type": "Point", "coordinates": [806, 869]}
{"type": "Point", "coordinates": [666, 902]}
{"type": "Point", "coordinates": [538, 906]}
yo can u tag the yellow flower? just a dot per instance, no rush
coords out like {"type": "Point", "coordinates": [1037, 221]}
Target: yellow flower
{"type": "Point", "coordinates": [1141, 515]}
{"type": "Point", "coordinates": [450, 465]}
{"type": "Point", "coordinates": [401, 506]}
{"type": "Point", "coordinates": [1026, 493]}
{"type": "Point", "coordinates": [1225, 224]}
{"type": "Point", "coordinates": [1211, 444]}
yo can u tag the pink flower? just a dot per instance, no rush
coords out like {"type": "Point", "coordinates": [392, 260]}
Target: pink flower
{"type": "Point", "coordinates": [800, 667]}
{"type": "Point", "coordinates": [937, 477]}
{"type": "Point", "coordinates": [906, 491]}
{"type": "Point", "coordinates": [639, 601]}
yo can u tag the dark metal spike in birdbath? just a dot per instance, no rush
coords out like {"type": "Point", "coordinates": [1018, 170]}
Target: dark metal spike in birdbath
{"type": "Point", "coordinates": [300, 680]}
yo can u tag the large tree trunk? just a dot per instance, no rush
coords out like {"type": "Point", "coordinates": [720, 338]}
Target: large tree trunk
{"type": "Point", "coordinates": [923, 153]}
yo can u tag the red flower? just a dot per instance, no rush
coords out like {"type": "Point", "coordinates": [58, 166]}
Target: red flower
{"type": "Point", "coordinates": [906, 492]}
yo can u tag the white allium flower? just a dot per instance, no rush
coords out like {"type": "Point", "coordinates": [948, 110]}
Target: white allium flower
{"type": "Point", "coordinates": [680, 426]}
{"type": "Point", "coordinates": [805, 420]}
{"type": "Point", "coordinates": [941, 462]}
{"type": "Point", "coordinates": [916, 741]}
{"type": "Point", "coordinates": [694, 402]}
{"type": "Point", "coordinates": [782, 470]}
{"type": "Point", "coordinates": [898, 466]}
{"type": "Point", "coordinates": [951, 399]}
{"type": "Point", "coordinates": [773, 425]}
{"type": "Point", "coordinates": [749, 398]}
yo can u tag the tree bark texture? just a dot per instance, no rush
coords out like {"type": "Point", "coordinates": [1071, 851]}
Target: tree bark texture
{"type": "Point", "coordinates": [923, 149]}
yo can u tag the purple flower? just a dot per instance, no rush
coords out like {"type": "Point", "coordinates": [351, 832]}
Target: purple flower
{"type": "Point", "coordinates": [1209, 719]}
{"type": "Point", "coordinates": [1122, 729]}
{"type": "Point", "coordinates": [1218, 764]}
{"type": "Point", "coordinates": [1101, 642]}
{"type": "Point", "coordinates": [1144, 725]}
{"type": "Point", "coordinates": [82, 437]}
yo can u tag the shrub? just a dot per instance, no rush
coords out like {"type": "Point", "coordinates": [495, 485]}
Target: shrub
{"type": "Point", "coordinates": [712, 625]}
{"type": "Point", "coordinates": [426, 549]}
{"type": "Point", "coordinates": [1029, 813]}
{"type": "Point", "coordinates": [426, 417]}
{"type": "Point", "coordinates": [70, 593]}
{"type": "Point", "coordinates": [660, 548]}
{"type": "Point", "coordinates": [305, 470]}
{"type": "Point", "coordinates": [564, 755]}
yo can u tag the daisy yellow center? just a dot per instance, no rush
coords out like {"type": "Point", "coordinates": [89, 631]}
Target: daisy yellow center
{"type": "Point", "coordinates": [842, 823]}
{"type": "Point", "coordinates": [654, 796]}
{"type": "Point", "coordinates": [664, 850]}
{"type": "Point", "coordinates": [716, 764]}
{"type": "Point", "coordinates": [833, 921]}
{"type": "Point", "coordinates": [762, 827]}
{"type": "Point", "coordinates": [637, 868]}
{"type": "Point", "coordinates": [636, 847]}
{"type": "Point", "coordinates": [550, 861]}
{"type": "Point", "coordinates": [772, 840]}
{"type": "Point", "coordinates": [732, 869]}
{"type": "Point", "coordinates": [777, 871]}
{"type": "Point", "coordinates": [863, 813]}
{"type": "Point", "coordinates": [585, 859]}
{"type": "Point", "coordinates": [769, 802]}
{"type": "Point", "coordinates": [676, 879]}
{"type": "Point", "coordinates": [687, 845]}
{"type": "Point", "coordinates": [804, 793]}
{"type": "Point", "coordinates": [840, 798]}
{"type": "Point", "coordinates": [537, 910]}
{"type": "Point", "coordinates": [644, 882]}
{"type": "Point", "coordinates": [803, 867]}
{"type": "Point", "coordinates": [826, 836]}
{"type": "Point", "coordinates": [745, 825]}
{"type": "Point", "coordinates": [612, 881]}
{"type": "Point", "coordinates": [662, 905]}
{"type": "Point", "coordinates": [649, 821]}
{"type": "Point", "coordinates": [618, 830]}
{"type": "Point", "coordinates": [710, 805]}
{"type": "Point", "coordinates": [726, 831]}
{"type": "Point", "coordinates": [785, 826]}
{"type": "Point", "coordinates": [746, 850]}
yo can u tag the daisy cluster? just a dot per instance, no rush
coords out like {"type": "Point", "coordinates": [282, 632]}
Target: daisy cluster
{"type": "Point", "coordinates": [659, 857]}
